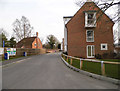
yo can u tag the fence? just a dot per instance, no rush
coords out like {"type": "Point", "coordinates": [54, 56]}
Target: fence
{"type": "Point", "coordinates": [105, 68]}
{"type": "Point", "coordinates": [19, 51]}
{"type": "Point", "coordinates": [30, 51]}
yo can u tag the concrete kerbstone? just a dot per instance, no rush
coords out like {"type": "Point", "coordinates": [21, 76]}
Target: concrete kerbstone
{"type": "Point", "coordinates": [99, 77]}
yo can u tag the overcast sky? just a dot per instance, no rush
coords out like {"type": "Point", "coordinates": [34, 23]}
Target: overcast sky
{"type": "Point", "coordinates": [46, 16]}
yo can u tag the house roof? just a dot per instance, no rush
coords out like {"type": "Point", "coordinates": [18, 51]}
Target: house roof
{"type": "Point", "coordinates": [67, 16]}
{"type": "Point", "coordinates": [88, 1]}
{"type": "Point", "coordinates": [26, 41]}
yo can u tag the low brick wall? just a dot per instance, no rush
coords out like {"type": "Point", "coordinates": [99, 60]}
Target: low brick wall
{"type": "Point", "coordinates": [52, 50]}
{"type": "Point", "coordinates": [20, 51]}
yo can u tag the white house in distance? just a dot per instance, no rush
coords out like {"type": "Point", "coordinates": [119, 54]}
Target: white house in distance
{"type": "Point", "coordinates": [62, 45]}
{"type": "Point", "coordinates": [65, 19]}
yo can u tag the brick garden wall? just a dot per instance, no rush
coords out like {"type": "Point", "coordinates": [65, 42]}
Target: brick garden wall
{"type": "Point", "coordinates": [20, 51]}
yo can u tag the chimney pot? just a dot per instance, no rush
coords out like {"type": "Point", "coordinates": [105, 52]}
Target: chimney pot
{"type": "Point", "coordinates": [37, 34]}
{"type": "Point", "coordinates": [89, 0]}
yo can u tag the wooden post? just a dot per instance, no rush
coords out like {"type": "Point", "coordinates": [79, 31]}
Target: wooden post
{"type": "Point", "coordinates": [103, 68]}
{"type": "Point", "coordinates": [64, 57]}
{"type": "Point", "coordinates": [81, 64]}
{"type": "Point", "coordinates": [71, 61]}
{"type": "Point", "coordinates": [67, 58]}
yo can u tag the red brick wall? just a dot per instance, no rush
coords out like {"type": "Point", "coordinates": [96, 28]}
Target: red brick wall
{"type": "Point", "coordinates": [38, 42]}
{"type": "Point", "coordinates": [103, 33]}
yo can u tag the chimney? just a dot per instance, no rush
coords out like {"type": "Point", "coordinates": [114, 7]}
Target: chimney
{"type": "Point", "coordinates": [37, 34]}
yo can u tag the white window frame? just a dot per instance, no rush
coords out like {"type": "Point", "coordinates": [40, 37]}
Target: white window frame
{"type": "Point", "coordinates": [87, 36]}
{"type": "Point", "coordinates": [86, 19]}
{"type": "Point", "coordinates": [91, 51]}
{"type": "Point", "coordinates": [104, 44]}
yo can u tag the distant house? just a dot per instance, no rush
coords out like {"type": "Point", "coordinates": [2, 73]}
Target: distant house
{"type": "Point", "coordinates": [30, 42]}
{"type": "Point", "coordinates": [89, 32]}
{"type": "Point", "coordinates": [65, 19]}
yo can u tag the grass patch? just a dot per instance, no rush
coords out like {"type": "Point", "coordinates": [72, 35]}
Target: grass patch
{"type": "Point", "coordinates": [111, 70]}
{"type": "Point", "coordinates": [11, 57]}
{"type": "Point", "coordinates": [110, 60]}
{"type": "Point", "coordinates": [92, 67]}
{"type": "Point", "coordinates": [76, 63]}
{"type": "Point", "coordinates": [69, 60]}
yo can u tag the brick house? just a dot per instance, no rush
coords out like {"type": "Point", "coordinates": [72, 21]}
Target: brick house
{"type": "Point", "coordinates": [30, 42]}
{"type": "Point", "coordinates": [89, 32]}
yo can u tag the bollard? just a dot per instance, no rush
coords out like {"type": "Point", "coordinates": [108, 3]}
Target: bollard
{"type": "Point", "coordinates": [81, 63]}
{"type": "Point", "coordinates": [6, 56]}
{"type": "Point", "coordinates": [25, 54]}
{"type": "Point", "coordinates": [103, 68]}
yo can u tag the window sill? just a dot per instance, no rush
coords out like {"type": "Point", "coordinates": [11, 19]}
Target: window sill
{"type": "Point", "coordinates": [90, 41]}
{"type": "Point", "coordinates": [87, 26]}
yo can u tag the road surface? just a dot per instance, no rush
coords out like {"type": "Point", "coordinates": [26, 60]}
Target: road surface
{"type": "Point", "coordinates": [47, 71]}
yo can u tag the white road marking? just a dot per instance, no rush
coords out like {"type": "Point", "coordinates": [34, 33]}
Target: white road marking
{"type": "Point", "coordinates": [14, 62]}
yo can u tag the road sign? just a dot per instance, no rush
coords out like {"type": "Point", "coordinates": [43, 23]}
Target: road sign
{"type": "Point", "coordinates": [11, 51]}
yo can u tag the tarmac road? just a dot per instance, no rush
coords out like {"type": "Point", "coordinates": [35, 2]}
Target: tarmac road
{"type": "Point", "coordinates": [47, 71]}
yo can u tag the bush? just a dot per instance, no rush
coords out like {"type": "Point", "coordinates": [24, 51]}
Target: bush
{"type": "Point", "coordinates": [110, 55]}
{"type": "Point", "coordinates": [79, 57]}
{"type": "Point", "coordinates": [117, 56]}
{"type": "Point", "coordinates": [98, 56]}
{"type": "Point", "coordinates": [65, 53]}
{"type": "Point", "coordinates": [105, 56]}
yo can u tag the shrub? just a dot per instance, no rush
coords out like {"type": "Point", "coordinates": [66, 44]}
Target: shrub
{"type": "Point", "coordinates": [117, 56]}
{"type": "Point", "coordinates": [105, 56]}
{"type": "Point", "coordinates": [78, 57]}
{"type": "Point", "coordinates": [98, 56]}
{"type": "Point", "coordinates": [110, 55]}
{"type": "Point", "coordinates": [65, 53]}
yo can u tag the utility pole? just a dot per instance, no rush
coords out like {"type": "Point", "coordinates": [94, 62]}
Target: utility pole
{"type": "Point", "coordinates": [24, 30]}
{"type": "Point", "coordinates": [24, 36]}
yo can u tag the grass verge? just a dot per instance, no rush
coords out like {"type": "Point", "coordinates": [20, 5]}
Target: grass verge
{"type": "Point", "coordinates": [111, 70]}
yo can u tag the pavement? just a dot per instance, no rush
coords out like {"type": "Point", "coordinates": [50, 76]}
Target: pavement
{"type": "Point", "coordinates": [47, 71]}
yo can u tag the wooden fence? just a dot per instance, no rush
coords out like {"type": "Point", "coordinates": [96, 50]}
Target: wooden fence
{"type": "Point", "coordinates": [29, 51]}
{"type": "Point", "coordinates": [90, 60]}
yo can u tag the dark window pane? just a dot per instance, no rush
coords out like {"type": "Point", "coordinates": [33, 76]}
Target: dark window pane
{"type": "Point", "coordinates": [90, 16]}
{"type": "Point", "coordinates": [103, 46]}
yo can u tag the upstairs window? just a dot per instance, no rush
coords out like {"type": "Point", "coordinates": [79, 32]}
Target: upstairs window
{"type": "Point", "coordinates": [90, 19]}
{"type": "Point", "coordinates": [90, 35]}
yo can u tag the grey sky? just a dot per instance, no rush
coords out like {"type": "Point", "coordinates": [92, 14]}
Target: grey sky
{"type": "Point", "coordinates": [46, 16]}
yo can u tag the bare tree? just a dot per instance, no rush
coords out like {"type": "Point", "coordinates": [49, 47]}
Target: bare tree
{"type": "Point", "coordinates": [3, 31]}
{"type": "Point", "coordinates": [115, 33]}
{"type": "Point", "coordinates": [22, 28]}
{"type": "Point", "coordinates": [105, 5]}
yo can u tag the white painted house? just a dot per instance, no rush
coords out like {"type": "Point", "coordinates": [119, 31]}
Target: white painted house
{"type": "Point", "coordinates": [65, 19]}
